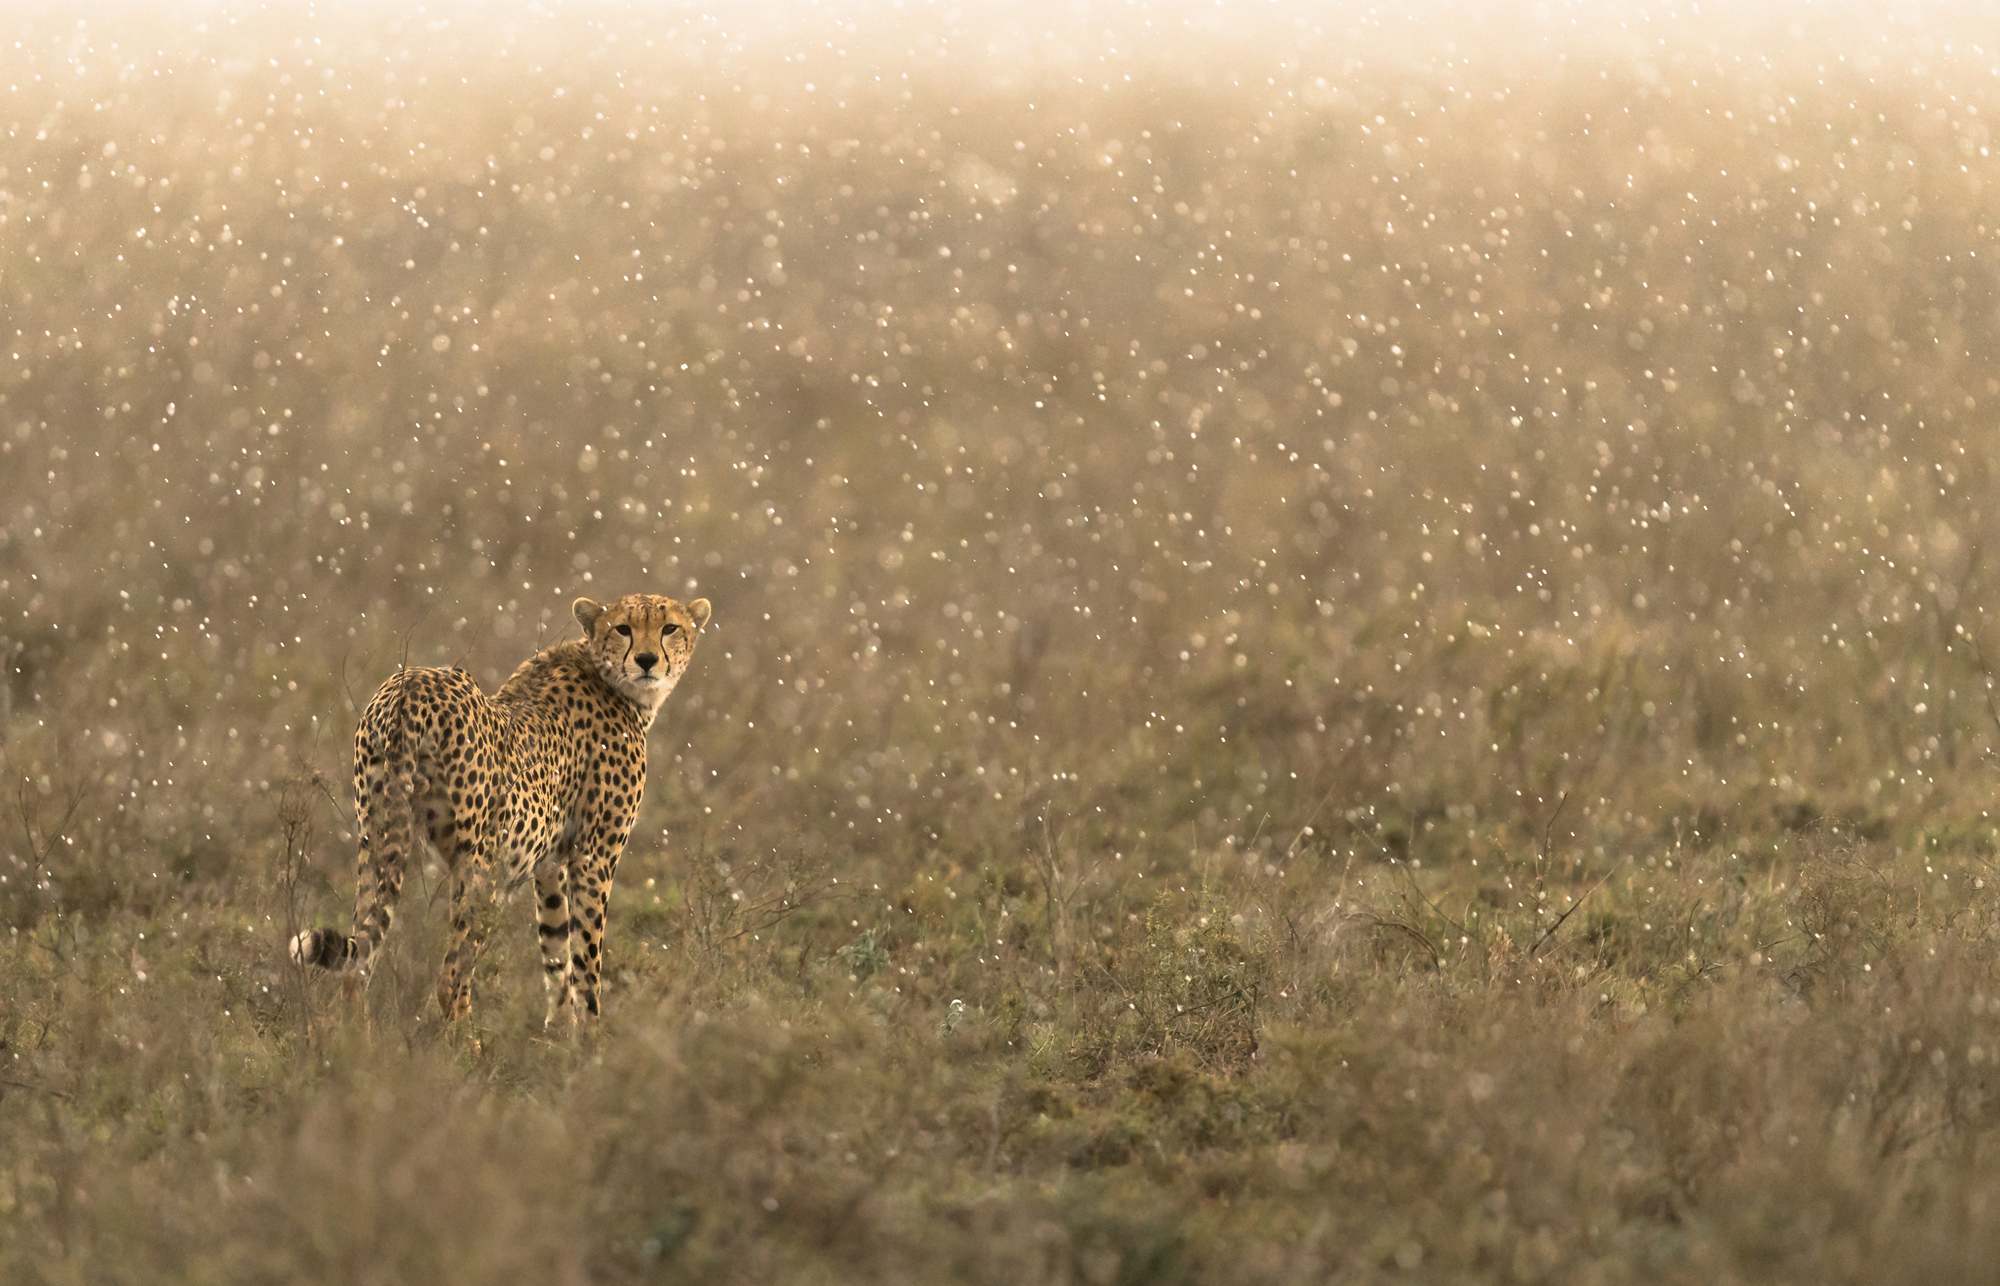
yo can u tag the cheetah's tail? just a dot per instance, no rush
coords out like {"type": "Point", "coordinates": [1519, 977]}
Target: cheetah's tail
{"type": "Point", "coordinates": [327, 948]}
{"type": "Point", "coordinates": [388, 820]}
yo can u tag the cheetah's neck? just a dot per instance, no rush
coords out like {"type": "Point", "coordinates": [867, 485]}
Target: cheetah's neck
{"type": "Point", "coordinates": [571, 661]}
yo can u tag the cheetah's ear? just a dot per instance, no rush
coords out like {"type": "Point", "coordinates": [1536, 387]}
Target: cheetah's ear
{"type": "Point", "coordinates": [699, 611]}
{"type": "Point", "coordinates": [587, 613]}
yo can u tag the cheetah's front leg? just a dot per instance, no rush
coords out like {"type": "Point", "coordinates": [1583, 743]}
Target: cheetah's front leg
{"type": "Point", "coordinates": [589, 894]}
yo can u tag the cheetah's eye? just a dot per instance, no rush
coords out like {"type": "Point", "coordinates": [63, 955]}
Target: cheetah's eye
{"type": "Point", "coordinates": [669, 628]}
{"type": "Point", "coordinates": [626, 630]}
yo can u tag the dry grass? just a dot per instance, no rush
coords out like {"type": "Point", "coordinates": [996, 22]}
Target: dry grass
{"type": "Point", "coordinates": [1331, 661]}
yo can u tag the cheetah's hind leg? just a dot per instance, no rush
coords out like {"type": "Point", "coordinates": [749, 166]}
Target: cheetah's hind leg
{"type": "Point", "coordinates": [552, 929]}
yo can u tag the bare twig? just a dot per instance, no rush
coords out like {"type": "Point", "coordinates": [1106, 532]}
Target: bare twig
{"type": "Point", "coordinates": [1057, 896]}
{"type": "Point", "coordinates": [1548, 828]}
{"type": "Point", "coordinates": [1402, 868]}
{"type": "Point", "coordinates": [720, 910]}
{"type": "Point", "coordinates": [295, 809]}
{"type": "Point", "coordinates": [478, 636]}
{"type": "Point", "coordinates": [41, 838]}
{"type": "Point", "coordinates": [1551, 931]}
{"type": "Point", "coordinates": [1409, 877]}
{"type": "Point", "coordinates": [993, 1136]}
{"type": "Point", "coordinates": [1979, 659]}
{"type": "Point", "coordinates": [1305, 826]}
{"type": "Point", "coordinates": [1422, 938]}
{"type": "Point", "coordinates": [33, 1088]}
{"type": "Point", "coordinates": [353, 707]}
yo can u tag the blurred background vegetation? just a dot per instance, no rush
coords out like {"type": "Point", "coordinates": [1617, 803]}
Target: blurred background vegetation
{"type": "Point", "coordinates": [1305, 601]}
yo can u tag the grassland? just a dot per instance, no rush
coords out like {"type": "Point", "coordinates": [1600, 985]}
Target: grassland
{"type": "Point", "coordinates": [1342, 652]}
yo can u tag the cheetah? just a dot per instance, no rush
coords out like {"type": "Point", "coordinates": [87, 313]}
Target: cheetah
{"type": "Point", "coordinates": [541, 780]}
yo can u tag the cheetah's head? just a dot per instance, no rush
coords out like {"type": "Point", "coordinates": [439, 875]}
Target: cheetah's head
{"type": "Point", "coordinates": [641, 643]}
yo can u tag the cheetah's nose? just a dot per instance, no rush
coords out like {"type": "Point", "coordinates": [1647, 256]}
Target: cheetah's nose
{"type": "Point", "coordinates": [646, 660]}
